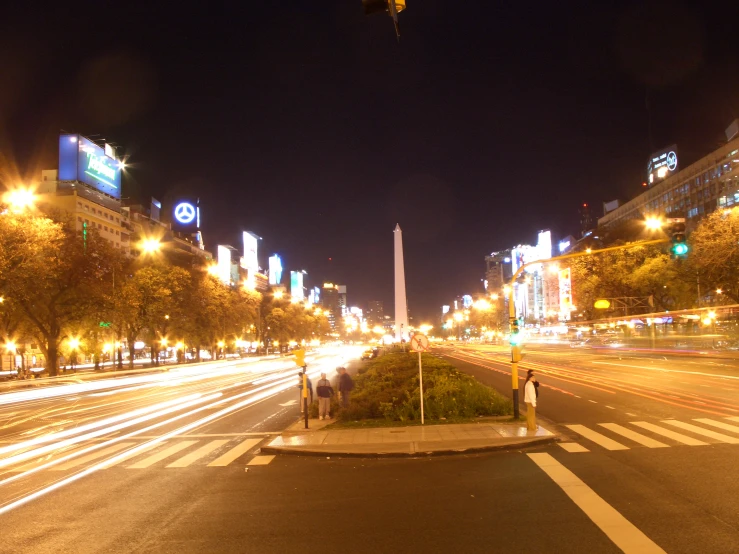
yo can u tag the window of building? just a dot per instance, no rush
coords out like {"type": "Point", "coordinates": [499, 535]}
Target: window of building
{"type": "Point", "coordinates": [117, 220]}
{"type": "Point", "coordinates": [79, 204]}
{"type": "Point", "coordinates": [86, 207]}
{"type": "Point", "coordinates": [100, 225]}
{"type": "Point", "coordinates": [117, 232]}
{"type": "Point", "coordinates": [693, 212]}
{"type": "Point", "coordinates": [79, 219]}
{"type": "Point", "coordinates": [105, 227]}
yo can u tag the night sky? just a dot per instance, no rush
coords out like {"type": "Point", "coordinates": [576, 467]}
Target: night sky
{"type": "Point", "coordinates": [309, 124]}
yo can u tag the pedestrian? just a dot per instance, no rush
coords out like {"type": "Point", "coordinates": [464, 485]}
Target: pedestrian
{"type": "Point", "coordinates": [530, 393]}
{"type": "Point", "coordinates": [345, 386]}
{"type": "Point", "coordinates": [325, 391]}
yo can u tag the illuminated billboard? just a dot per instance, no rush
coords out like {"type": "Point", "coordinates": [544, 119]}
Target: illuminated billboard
{"type": "Point", "coordinates": [275, 270]}
{"type": "Point", "coordinates": [82, 160]}
{"type": "Point", "coordinates": [662, 164]}
{"type": "Point", "coordinates": [524, 253]}
{"type": "Point", "coordinates": [296, 286]}
{"type": "Point", "coordinates": [186, 215]}
{"type": "Point", "coordinates": [565, 293]}
{"type": "Point", "coordinates": [251, 260]}
{"type": "Point", "coordinates": [224, 264]}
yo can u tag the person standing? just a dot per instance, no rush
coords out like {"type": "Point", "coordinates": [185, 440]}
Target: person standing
{"type": "Point", "coordinates": [325, 391]}
{"type": "Point", "coordinates": [345, 386]}
{"type": "Point", "coordinates": [530, 393]}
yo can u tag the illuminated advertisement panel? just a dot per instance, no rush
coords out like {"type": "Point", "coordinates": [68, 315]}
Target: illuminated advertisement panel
{"type": "Point", "coordinates": [662, 164]}
{"type": "Point", "coordinates": [82, 160]}
{"type": "Point", "coordinates": [186, 215]}
{"type": "Point", "coordinates": [524, 253]}
{"type": "Point", "coordinates": [275, 270]}
{"type": "Point", "coordinates": [565, 293]}
{"type": "Point", "coordinates": [251, 260]}
{"type": "Point", "coordinates": [224, 264]}
{"type": "Point", "coordinates": [296, 286]}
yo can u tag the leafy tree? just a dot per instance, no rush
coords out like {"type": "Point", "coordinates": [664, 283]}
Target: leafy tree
{"type": "Point", "coordinates": [714, 253]}
{"type": "Point", "coordinates": [51, 275]}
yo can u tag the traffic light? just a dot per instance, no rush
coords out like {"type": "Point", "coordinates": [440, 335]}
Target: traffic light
{"type": "Point", "coordinates": [299, 357]}
{"type": "Point", "coordinates": [677, 231]}
{"type": "Point", "coordinates": [515, 336]}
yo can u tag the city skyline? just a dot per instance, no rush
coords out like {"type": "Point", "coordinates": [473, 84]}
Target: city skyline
{"type": "Point", "coordinates": [536, 122]}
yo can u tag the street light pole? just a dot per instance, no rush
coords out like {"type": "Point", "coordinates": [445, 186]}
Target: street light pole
{"type": "Point", "coordinates": [512, 307]}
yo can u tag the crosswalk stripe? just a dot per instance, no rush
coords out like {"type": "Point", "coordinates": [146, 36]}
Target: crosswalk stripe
{"type": "Point", "coordinates": [733, 418]}
{"type": "Point", "coordinates": [146, 462]}
{"type": "Point", "coordinates": [260, 460]}
{"type": "Point", "coordinates": [235, 452]}
{"type": "Point", "coordinates": [602, 440]}
{"type": "Point", "coordinates": [719, 424]}
{"type": "Point", "coordinates": [701, 431]}
{"type": "Point", "coordinates": [633, 435]}
{"type": "Point", "coordinates": [679, 437]}
{"type": "Point", "coordinates": [187, 459]}
{"type": "Point", "coordinates": [92, 456]}
{"type": "Point", "coordinates": [573, 447]}
{"type": "Point", "coordinates": [132, 454]}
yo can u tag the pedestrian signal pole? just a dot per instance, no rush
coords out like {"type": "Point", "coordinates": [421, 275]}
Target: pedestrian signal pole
{"type": "Point", "coordinates": [305, 395]}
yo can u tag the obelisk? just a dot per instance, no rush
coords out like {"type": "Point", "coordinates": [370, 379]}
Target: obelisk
{"type": "Point", "coordinates": [401, 307]}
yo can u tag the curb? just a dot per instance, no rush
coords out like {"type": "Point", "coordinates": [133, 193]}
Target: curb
{"type": "Point", "coordinates": [537, 441]}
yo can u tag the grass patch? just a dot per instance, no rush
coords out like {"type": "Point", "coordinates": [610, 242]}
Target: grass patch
{"type": "Point", "coordinates": [387, 391]}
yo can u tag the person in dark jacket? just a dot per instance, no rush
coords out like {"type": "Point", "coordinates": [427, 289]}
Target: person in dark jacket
{"type": "Point", "coordinates": [345, 386]}
{"type": "Point", "coordinates": [325, 391]}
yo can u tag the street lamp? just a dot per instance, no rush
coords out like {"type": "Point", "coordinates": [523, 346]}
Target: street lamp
{"type": "Point", "coordinates": [654, 223]}
{"type": "Point", "coordinates": [19, 199]}
{"type": "Point", "coordinates": [278, 294]}
{"type": "Point", "coordinates": [151, 245]}
{"type": "Point", "coordinates": [494, 296]}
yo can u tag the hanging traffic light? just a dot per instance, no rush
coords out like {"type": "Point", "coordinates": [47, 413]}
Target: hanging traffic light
{"type": "Point", "coordinates": [678, 236]}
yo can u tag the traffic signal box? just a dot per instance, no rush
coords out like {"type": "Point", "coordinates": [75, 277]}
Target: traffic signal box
{"type": "Point", "coordinates": [299, 357]}
{"type": "Point", "coordinates": [677, 234]}
{"type": "Point", "coordinates": [515, 336]}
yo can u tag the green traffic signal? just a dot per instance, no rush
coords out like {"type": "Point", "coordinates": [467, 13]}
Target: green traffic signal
{"type": "Point", "coordinates": [680, 249]}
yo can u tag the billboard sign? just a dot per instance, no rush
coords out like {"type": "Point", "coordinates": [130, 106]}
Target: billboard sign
{"type": "Point", "coordinates": [251, 260]}
{"type": "Point", "coordinates": [275, 270]}
{"type": "Point", "coordinates": [224, 264]}
{"type": "Point", "coordinates": [186, 216]}
{"type": "Point", "coordinates": [82, 160]}
{"type": "Point", "coordinates": [565, 293]}
{"type": "Point", "coordinates": [296, 286]}
{"type": "Point", "coordinates": [662, 164]}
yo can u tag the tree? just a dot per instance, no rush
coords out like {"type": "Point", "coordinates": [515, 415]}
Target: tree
{"type": "Point", "coordinates": [53, 277]}
{"type": "Point", "coordinates": [714, 252]}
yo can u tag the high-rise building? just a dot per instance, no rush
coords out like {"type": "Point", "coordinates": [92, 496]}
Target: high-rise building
{"type": "Point", "coordinates": [375, 312]}
{"type": "Point", "coordinates": [342, 299]}
{"type": "Point", "coordinates": [330, 303]}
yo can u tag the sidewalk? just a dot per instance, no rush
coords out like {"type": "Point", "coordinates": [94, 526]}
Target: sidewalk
{"type": "Point", "coordinates": [427, 440]}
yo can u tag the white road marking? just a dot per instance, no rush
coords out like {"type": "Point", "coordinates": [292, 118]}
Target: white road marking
{"type": "Point", "coordinates": [260, 460]}
{"type": "Point", "coordinates": [602, 440]}
{"type": "Point", "coordinates": [239, 450]}
{"type": "Point", "coordinates": [733, 418]}
{"type": "Point", "coordinates": [670, 371]}
{"type": "Point", "coordinates": [633, 435]}
{"type": "Point", "coordinates": [573, 447]}
{"type": "Point", "coordinates": [701, 431]}
{"type": "Point", "coordinates": [204, 450]}
{"type": "Point", "coordinates": [630, 414]}
{"type": "Point", "coordinates": [159, 456]}
{"type": "Point", "coordinates": [290, 403]}
{"type": "Point", "coordinates": [610, 407]}
{"type": "Point", "coordinates": [679, 437]}
{"type": "Point", "coordinates": [593, 401]}
{"type": "Point", "coordinates": [576, 396]}
{"type": "Point", "coordinates": [621, 531]}
{"type": "Point", "coordinates": [136, 452]}
{"type": "Point", "coordinates": [94, 456]}
{"type": "Point", "coordinates": [719, 424]}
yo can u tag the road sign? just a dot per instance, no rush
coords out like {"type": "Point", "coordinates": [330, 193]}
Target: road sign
{"type": "Point", "coordinates": [419, 342]}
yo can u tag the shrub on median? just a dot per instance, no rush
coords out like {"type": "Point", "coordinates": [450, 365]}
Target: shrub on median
{"type": "Point", "coordinates": [388, 387]}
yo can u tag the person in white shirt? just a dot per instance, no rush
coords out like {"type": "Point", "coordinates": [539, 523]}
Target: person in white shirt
{"type": "Point", "coordinates": [529, 397]}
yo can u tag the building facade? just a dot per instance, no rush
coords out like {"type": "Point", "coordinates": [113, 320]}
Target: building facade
{"type": "Point", "coordinates": [710, 183]}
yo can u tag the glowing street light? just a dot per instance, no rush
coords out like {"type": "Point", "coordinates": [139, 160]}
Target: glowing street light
{"type": "Point", "coordinates": [74, 344]}
{"type": "Point", "coordinates": [164, 341]}
{"type": "Point", "coordinates": [588, 250]}
{"type": "Point", "coordinates": [10, 346]}
{"type": "Point", "coordinates": [654, 223]}
{"type": "Point", "coordinates": [482, 305]}
{"type": "Point", "coordinates": [506, 289]}
{"type": "Point", "coordinates": [20, 199]}
{"type": "Point", "coordinates": [425, 328]}
{"type": "Point", "coordinates": [278, 294]}
{"type": "Point", "coordinates": [180, 345]}
{"type": "Point", "coordinates": [718, 291]}
{"type": "Point", "coordinates": [213, 270]}
{"type": "Point", "coordinates": [458, 316]}
{"type": "Point", "coordinates": [221, 344]}
{"type": "Point", "coordinates": [151, 246]}
{"type": "Point", "coordinates": [494, 296]}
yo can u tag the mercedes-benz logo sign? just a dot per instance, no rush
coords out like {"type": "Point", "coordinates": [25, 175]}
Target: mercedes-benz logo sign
{"type": "Point", "coordinates": [184, 212]}
{"type": "Point", "coordinates": [672, 161]}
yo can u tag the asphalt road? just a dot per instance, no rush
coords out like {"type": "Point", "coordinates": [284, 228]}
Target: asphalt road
{"type": "Point", "coordinates": [188, 489]}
